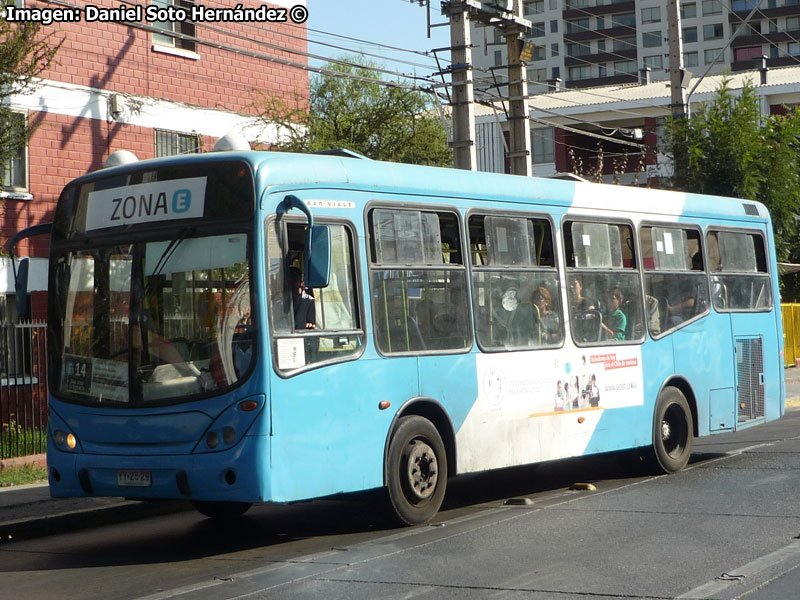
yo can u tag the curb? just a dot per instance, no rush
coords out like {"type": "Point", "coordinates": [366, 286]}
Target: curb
{"type": "Point", "coordinates": [128, 510]}
{"type": "Point", "coordinates": [39, 460]}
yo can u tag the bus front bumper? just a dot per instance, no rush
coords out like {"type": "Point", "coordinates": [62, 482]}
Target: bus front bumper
{"type": "Point", "coordinates": [240, 474]}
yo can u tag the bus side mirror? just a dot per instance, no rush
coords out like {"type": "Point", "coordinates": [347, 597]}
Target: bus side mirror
{"type": "Point", "coordinates": [21, 273]}
{"type": "Point", "coordinates": [21, 287]}
{"type": "Point", "coordinates": [318, 261]}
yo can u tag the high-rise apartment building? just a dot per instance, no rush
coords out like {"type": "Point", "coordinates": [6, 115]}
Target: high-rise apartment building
{"type": "Point", "coordinates": [587, 43]}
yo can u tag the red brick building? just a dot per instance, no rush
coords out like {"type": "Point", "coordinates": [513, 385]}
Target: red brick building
{"type": "Point", "coordinates": [153, 88]}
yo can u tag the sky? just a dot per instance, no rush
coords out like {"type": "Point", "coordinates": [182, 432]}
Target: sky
{"type": "Point", "coordinates": [398, 23]}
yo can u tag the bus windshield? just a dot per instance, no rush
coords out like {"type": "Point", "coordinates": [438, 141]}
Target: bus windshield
{"type": "Point", "coordinates": [149, 322]}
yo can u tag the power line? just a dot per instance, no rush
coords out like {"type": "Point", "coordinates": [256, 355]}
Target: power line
{"type": "Point", "coordinates": [271, 58]}
{"type": "Point", "coordinates": [758, 33]}
{"type": "Point", "coordinates": [321, 71]}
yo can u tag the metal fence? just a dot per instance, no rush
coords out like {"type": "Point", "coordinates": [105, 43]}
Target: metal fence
{"type": "Point", "coordinates": [23, 389]}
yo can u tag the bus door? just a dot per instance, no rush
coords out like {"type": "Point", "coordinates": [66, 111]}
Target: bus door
{"type": "Point", "coordinates": [328, 432]}
{"type": "Point", "coordinates": [741, 288]}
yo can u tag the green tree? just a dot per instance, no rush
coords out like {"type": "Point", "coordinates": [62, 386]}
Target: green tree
{"type": "Point", "coordinates": [729, 148]}
{"type": "Point", "coordinates": [24, 55]}
{"type": "Point", "coordinates": [350, 108]}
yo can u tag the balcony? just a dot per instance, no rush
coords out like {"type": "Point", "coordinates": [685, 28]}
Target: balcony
{"type": "Point", "coordinates": [605, 9]}
{"type": "Point", "coordinates": [592, 34]}
{"type": "Point", "coordinates": [755, 63]}
{"type": "Point", "coordinates": [765, 13]}
{"type": "Point", "coordinates": [608, 80]}
{"type": "Point", "coordinates": [765, 38]}
{"type": "Point", "coordinates": [600, 57]}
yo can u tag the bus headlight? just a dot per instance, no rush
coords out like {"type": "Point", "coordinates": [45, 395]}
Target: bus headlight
{"type": "Point", "coordinates": [65, 440]}
{"type": "Point", "coordinates": [59, 435]}
{"type": "Point", "coordinates": [229, 435]}
{"type": "Point", "coordinates": [212, 439]}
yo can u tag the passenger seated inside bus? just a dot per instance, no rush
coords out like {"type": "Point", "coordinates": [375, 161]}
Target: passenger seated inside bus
{"type": "Point", "coordinates": [681, 305]}
{"type": "Point", "coordinates": [549, 324]}
{"type": "Point", "coordinates": [586, 319]}
{"type": "Point", "coordinates": [614, 320]}
{"type": "Point", "coordinates": [305, 316]}
{"type": "Point", "coordinates": [578, 303]}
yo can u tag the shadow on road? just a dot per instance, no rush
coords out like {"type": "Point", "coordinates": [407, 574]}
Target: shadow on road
{"type": "Point", "coordinates": [284, 532]}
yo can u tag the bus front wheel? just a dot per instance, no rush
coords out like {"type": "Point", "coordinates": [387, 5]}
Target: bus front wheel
{"type": "Point", "coordinates": [672, 431]}
{"type": "Point", "coordinates": [416, 468]}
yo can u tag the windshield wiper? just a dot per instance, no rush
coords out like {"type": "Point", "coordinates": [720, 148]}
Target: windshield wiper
{"type": "Point", "coordinates": [166, 255]}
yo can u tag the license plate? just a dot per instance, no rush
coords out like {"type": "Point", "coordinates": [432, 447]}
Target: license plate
{"type": "Point", "coordinates": [130, 478]}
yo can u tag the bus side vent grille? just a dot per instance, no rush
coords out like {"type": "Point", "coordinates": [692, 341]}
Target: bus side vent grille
{"type": "Point", "coordinates": [749, 379]}
{"type": "Point", "coordinates": [750, 209]}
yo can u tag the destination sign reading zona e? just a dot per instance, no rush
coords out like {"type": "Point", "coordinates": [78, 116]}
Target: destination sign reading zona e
{"type": "Point", "coordinates": [146, 203]}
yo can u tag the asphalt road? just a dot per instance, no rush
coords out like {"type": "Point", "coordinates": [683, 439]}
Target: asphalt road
{"type": "Point", "coordinates": [727, 527]}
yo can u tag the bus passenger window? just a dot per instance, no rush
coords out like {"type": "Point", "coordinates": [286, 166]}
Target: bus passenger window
{"type": "Point", "coordinates": [674, 281]}
{"type": "Point", "coordinates": [605, 295]}
{"type": "Point", "coordinates": [739, 273]}
{"type": "Point", "coordinates": [418, 281]}
{"type": "Point", "coordinates": [326, 318]}
{"type": "Point", "coordinates": [514, 283]}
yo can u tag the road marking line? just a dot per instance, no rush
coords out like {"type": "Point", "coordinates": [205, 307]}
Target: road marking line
{"type": "Point", "coordinates": [750, 570]}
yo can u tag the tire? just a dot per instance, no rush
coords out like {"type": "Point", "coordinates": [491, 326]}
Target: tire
{"type": "Point", "coordinates": [416, 470]}
{"type": "Point", "coordinates": [673, 428]}
{"type": "Point", "coordinates": [221, 510]}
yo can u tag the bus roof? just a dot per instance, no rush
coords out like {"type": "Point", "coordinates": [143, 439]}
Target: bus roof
{"type": "Point", "coordinates": [290, 171]}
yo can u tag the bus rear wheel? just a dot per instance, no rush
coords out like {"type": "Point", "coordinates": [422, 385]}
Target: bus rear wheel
{"type": "Point", "coordinates": [221, 510]}
{"type": "Point", "coordinates": [416, 468]}
{"type": "Point", "coordinates": [673, 428]}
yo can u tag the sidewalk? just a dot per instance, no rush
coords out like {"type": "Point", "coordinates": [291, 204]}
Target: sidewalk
{"type": "Point", "coordinates": [28, 511]}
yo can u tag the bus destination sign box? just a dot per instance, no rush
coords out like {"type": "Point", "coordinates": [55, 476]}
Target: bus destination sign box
{"type": "Point", "coordinates": [146, 203]}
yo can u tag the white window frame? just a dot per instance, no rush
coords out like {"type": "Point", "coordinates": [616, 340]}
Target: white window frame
{"type": "Point", "coordinates": [585, 72]}
{"type": "Point", "coordinates": [713, 35]}
{"type": "Point", "coordinates": [710, 54]}
{"type": "Point", "coordinates": [625, 67]}
{"type": "Point", "coordinates": [712, 7]}
{"type": "Point", "coordinates": [543, 146]}
{"type": "Point", "coordinates": [651, 14]}
{"type": "Point", "coordinates": [10, 189]}
{"type": "Point", "coordinates": [650, 61]}
{"type": "Point", "coordinates": [168, 44]}
{"type": "Point", "coordinates": [649, 35]}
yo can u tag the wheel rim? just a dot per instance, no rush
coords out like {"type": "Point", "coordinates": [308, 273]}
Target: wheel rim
{"type": "Point", "coordinates": [422, 470]}
{"type": "Point", "coordinates": [674, 431]}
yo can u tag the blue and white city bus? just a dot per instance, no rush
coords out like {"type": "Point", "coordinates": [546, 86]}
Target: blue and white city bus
{"type": "Point", "coordinates": [460, 322]}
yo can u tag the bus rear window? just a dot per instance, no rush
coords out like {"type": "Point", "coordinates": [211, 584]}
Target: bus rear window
{"type": "Point", "coordinates": [739, 275]}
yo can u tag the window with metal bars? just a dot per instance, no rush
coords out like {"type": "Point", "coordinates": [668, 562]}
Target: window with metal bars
{"type": "Point", "coordinates": [170, 143]}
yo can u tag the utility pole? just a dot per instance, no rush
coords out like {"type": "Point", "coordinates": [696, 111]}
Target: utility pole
{"type": "Point", "coordinates": [458, 11]}
{"type": "Point", "coordinates": [511, 24]}
{"type": "Point", "coordinates": [676, 71]}
{"type": "Point", "coordinates": [519, 151]}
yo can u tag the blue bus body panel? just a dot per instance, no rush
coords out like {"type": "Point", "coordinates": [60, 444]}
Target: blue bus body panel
{"type": "Point", "coordinates": [321, 431]}
{"type": "Point", "coordinates": [329, 433]}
